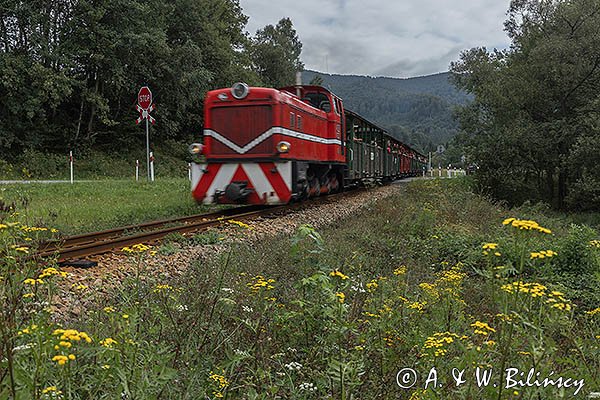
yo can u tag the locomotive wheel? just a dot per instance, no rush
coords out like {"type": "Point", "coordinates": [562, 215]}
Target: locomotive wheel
{"type": "Point", "coordinates": [334, 184]}
{"type": "Point", "coordinates": [314, 189]}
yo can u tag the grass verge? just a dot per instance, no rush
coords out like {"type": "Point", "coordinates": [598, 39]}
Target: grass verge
{"type": "Point", "coordinates": [97, 205]}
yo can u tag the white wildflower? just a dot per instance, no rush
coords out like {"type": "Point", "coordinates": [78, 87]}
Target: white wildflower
{"type": "Point", "coordinates": [247, 309]}
{"type": "Point", "coordinates": [293, 366]}
{"type": "Point", "coordinates": [308, 387]}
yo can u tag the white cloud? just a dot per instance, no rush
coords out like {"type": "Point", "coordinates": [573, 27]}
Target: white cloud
{"type": "Point", "coordinates": [385, 37]}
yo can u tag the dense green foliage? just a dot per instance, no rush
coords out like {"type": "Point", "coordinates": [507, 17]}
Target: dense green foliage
{"type": "Point", "coordinates": [70, 70]}
{"type": "Point", "coordinates": [534, 125]}
{"type": "Point", "coordinates": [418, 111]}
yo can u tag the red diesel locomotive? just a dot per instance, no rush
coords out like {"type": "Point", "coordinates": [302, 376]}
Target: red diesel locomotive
{"type": "Point", "coordinates": [273, 146]}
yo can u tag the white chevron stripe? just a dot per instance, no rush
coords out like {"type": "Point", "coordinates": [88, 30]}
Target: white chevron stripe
{"type": "Point", "coordinates": [265, 135]}
{"type": "Point", "coordinates": [260, 182]}
{"type": "Point", "coordinates": [223, 178]}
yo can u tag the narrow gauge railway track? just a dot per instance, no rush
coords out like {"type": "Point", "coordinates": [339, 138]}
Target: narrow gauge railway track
{"type": "Point", "coordinates": [93, 243]}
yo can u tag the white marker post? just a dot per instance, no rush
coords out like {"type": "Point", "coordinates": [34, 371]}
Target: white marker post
{"type": "Point", "coordinates": [190, 171]}
{"type": "Point", "coordinates": [71, 165]}
{"type": "Point", "coordinates": [151, 167]}
{"type": "Point", "coordinates": [137, 170]}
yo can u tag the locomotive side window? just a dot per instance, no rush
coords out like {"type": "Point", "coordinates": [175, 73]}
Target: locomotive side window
{"type": "Point", "coordinates": [292, 120]}
{"type": "Point", "coordinates": [299, 125]}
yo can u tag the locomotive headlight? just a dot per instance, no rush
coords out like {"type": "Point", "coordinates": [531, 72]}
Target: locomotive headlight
{"type": "Point", "coordinates": [196, 149]}
{"type": "Point", "coordinates": [240, 90]}
{"type": "Point", "coordinates": [283, 147]}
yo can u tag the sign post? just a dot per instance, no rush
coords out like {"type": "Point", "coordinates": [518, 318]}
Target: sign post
{"type": "Point", "coordinates": [144, 107]}
{"type": "Point", "coordinates": [137, 170]}
{"type": "Point", "coordinates": [71, 165]}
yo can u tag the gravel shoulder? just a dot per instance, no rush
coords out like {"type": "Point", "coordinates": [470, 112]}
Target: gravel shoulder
{"type": "Point", "coordinates": [115, 267]}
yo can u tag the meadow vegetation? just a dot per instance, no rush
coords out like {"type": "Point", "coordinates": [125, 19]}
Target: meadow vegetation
{"type": "Point", "coordinates": [437, 277]}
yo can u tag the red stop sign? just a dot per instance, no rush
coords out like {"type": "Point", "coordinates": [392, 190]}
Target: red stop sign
{"type": "Point", "coordinates": [145, 97]}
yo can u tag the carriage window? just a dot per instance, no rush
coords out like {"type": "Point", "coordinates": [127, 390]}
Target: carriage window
{"type": "Point", "coordinates": [292, 119]}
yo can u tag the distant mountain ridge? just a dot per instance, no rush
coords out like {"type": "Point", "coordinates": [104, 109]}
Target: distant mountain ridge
{"type": "Point", "coordinates": [416, 110]}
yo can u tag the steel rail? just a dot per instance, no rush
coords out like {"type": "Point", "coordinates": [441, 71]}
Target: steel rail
{"type": "Point", "coordinates": [94, 243]}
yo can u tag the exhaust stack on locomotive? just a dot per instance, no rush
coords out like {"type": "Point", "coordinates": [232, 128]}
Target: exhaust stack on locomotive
{"type": "Point", "coordinates": [270, 146]}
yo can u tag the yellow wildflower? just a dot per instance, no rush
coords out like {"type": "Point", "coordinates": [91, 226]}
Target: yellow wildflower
{"type": "Point", "coordinates": [220, 380]}
{"type": "Point", "coordinates": [525, 225]}
{"type": "Point", "coordinates": [239, 223]}
{"type": "Point", "coordinates": [490, 246]}
{"type": "Point", "coordinates": [340, 296]}
{"type": "Point", "coordinates": [594, 311]}
{"type": "Point", "coordinates": [339, 274]}
{"type": "Point", "coordinates": [372, 286]}
{"type": "Point", "coordinates": [401, 270]}
{"type": "Point", "coordinates": [60, 359]}
{"type": "Point", "coordinates": [53, 390]}
{"type": "Point", "coordinates": [482, 328]}
{"type": "Point", "coordinates": [108, 342]}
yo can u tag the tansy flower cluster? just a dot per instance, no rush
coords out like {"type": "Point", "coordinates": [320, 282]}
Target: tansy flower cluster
{"type": "Point", "coordinates": [62, 360]}
{"type": "Point", "coordinates": [594, 311]}
{"type": "Point", "coordinates": [482, 328]}
{"type": "Point", "coordinates": [21, 249]}
{"type": "Point", "coordinates": [527, 225]}
{"type": "Point", "coordinates": [26, 228]}
{"type": "Point", "coordinates": [487, 247]}
{"type": "Point", "coordinates": [221, 382]}
{"type": "Point", "coordinates": [339, 274]}
{"type": "Point", "coordinates": [51, 390]}
{"type": "Point", "coordinates": [259, 282]}
{"type": "Point", "coordinates": [136, 248]}
{"type": "Point", "coordinates": [108, 342]}
{"type": "Point", "coordinates": [28, 330]}
{"type": "Point", "coordinates": [72, 335]}
{"type": "Point", "coordinates": [418, 306]}
{"type": "Point", "coordinates": [401, 270]}
{"type": "Point", "coordinates": [372, 286]}
{"type": "Point", "coordinates": [533, 288]}
{"type": "Point", "coordinates": [239, 223]}
{"type": "Point", "coordinates": [595, 243]}
{"type": "Point", "coordinates": [543, 254]}
{"type": "Point", "coordinates": [52, 272]}
{"type": "Point", "coordinates": [33, 282]}
{"type": "Point", "coordinates": [436, 345]}
{"type": "Point", "coordinates": [555, 299]}
{"type": "Point", "coordinates": [163, 288]}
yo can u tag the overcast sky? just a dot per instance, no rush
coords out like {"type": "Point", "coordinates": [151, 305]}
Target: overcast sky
{"type": "Point", "coordinates": [398, 38]}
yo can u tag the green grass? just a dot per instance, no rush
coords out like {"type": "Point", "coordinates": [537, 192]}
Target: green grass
{"type": "Point", "coordinates": [97, 205]}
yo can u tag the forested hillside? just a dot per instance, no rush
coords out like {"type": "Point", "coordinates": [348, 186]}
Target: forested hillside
{"type": "Point", "coordinates": [70, 70]}
{"type": "Point", "coordinates": [416, 110]}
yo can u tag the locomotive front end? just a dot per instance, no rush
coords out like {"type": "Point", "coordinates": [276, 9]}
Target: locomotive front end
{"type": "Point", "coordinates": [240, 159]}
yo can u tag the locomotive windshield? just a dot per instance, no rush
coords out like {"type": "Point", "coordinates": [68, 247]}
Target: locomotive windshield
{"type": "Point", "coordinates": [318, 100]}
